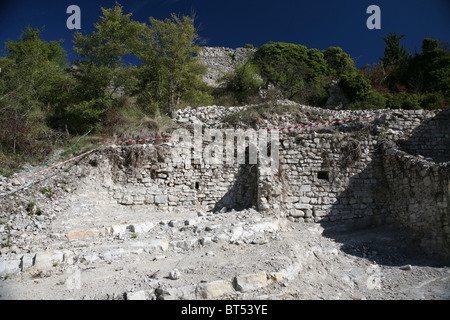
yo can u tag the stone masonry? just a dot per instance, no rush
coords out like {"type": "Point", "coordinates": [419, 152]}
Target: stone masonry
{"type": "Point", "coordinates": [220, 61]}
{"type": "Point", "coordinates": [338, 172]}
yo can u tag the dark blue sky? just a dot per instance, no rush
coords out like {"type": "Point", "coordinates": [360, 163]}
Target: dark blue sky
{"type": "Point", "coordinates": [234, 23]}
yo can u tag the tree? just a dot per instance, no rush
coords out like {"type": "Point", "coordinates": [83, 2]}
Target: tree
{"type": "Point", "coordinates": [297, 70]}
{"type": "Point", "coordinates": [244, 82]}
{"type": "Point", "coordinates": [168, 50]}
{"type": "Point", "coordinates": [29, 69]}
{"type": "Point", "coordinates": [395, 60]}
{"type": "Point", "coordinates": [100, 73]}
{"type": "Point", "coordinates": [338, 61]}
{"type": "Point", "coordinates": [354, 86]}
{"type": "Point", "coordinates": [430, 70]}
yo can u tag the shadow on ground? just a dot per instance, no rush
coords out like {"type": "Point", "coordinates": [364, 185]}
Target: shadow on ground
{"type": "Point", "coordinates": [377, 236]}
{"type": "Point", "coordinates": [388, 245]}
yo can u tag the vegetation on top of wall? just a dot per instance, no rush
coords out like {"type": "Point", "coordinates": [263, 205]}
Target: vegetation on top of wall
{"type": "Point", "coordinates": [47, 101]}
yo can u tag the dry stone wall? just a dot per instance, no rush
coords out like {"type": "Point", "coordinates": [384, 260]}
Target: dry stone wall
{"type": "Point", "coordinates": [338, 172]}
{"type": "Point", "coordinates": [419, 196]}
{"type": "Point", "coordinates": [221, 61]}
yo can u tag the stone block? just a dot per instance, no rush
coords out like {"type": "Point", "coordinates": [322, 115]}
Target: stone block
{"type": "Point", "coordinates": [143, 227]}
{"type": "Point", "coordinates": [296, 213]}
{"type": "Point", "coordinates": [84, 234]}
{"type": "Point", "coordinates": [215, 289]}
{"type": "Point", "coordinates": [305, 188]}
{"type": "Point", "coordinates": [249, 282]}
{"type": "Point", "coordinates": [138, 295]}
{"type": "Point", "coordinates": [45, 260]}
{"type": "Point", "coordinates": [161, 199]}
{"type": "Point", "coordinates": [158, 245]}
{"type": "Point", "coordinates": [10, 265]}
{"type": "Point", "coordinates": [302, 206]}
{"type": "Point", "coordinates": [273, 277]}
{"type": "Point", "coordinates": [320, 213]}
{"type": "Point", "coordinates": [149, 199]}
{"type": "Point", "coordinates": [126, 200]}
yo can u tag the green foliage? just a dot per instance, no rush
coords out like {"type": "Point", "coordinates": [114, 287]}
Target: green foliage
{"type": "Point", "coordinates": [395, 60]}
{"type": "Point", "coordinates": [300, 72]}
{"type": "Point", "coordinates": [243, 83]}
{"type": "Point", "coordinates": [339, 62]}
{"type": "Point", "coordinates": [373, 100]}
{"type": "Point", "coordinates": [168, 52]}
{"type": "Point", "coordinates": [402, 100]}
{"type": "Point", "coordinates": [100, 72]}
{"type": "Point", "coordinates": [354, 86]}
{"type": "Point", "coordinates": [197, 98]}
{"type": "Point", "coordinates": [430, 70]}
{"type": "Point", "coordinates": [433, 100]}
{"type": "Point", "coordinates": [394, 54]}
{"type": "Point", "coordinates": [29, 69]}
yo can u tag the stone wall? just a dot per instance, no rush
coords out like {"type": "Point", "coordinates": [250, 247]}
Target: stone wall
{"type": "Point", "coordinates": [329, 173]}
{"type": "Point", "coordinates": [431, 139]}
{"type": "Point", "coordinates": [419, 196]}
{"type": "Point", "coordinates": [220, 61]}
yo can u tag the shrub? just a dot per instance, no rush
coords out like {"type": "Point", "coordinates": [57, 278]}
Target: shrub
{"type": "Point", "coordinates": [354, 86]}
{"type": "Point", "coordinates": [402, 100]}
{"type": "Point", "coordinates": [373, 100]}
{"type": "Point", "coordinates": [431, 101]}
{"type": "Point", "coordinates": [244, 83]}
{"type": "Point", "coordinates": [197, 98]}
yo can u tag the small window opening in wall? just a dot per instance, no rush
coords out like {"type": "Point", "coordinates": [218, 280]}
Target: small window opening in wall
{"type": "Point", "coordinates": [323, 175]}
{"type": "Point", "coordinates": [197, 185]}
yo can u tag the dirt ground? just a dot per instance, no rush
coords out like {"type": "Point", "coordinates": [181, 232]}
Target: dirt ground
{"type": "Point", "coordinates": [88, 247]}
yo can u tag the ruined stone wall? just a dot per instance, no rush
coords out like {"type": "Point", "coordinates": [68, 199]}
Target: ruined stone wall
{"type": "Point", "coordinates": [337, 172]}
{"type": "Point", "coordinates": [330, 176]}
{"type": "Point", "coordinates": [419, 197]}
{"type": "Point", "coordinates": [147, 175]}
{"type": "Point", "coordinates": [221, 61]}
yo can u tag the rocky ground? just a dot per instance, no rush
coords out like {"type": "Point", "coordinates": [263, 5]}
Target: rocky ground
{"type": "Point", "coordinates": [73, 242]}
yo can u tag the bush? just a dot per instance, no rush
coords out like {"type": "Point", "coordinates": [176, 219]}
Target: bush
{"type": "Point", "coordinates": [402, 100]}
{"type": "Point", "coordinates": [338, 61]}
{"type": "Point", "coordinates": [373, 100]}
{"type": "Point", "coordinates": [314, 93]}
{"type": "Point", "coordinates": [197, 98]}
{"type": "Point", "coordinates": [354, 86]}
{"type": "Point", "coordinates": [432, 101]}
{"type": "Point", "coordinates": [244, 83]}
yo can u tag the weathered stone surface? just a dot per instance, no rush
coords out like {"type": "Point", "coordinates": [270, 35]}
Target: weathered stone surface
{"type": "Point", "coordinates": [45, 260]}
{"type": "Point", "coordinates": [269, 226]}
{"type": "Point", "coordinates": [143, 227]}
{"type": "Point", "coordinates": [296, 213]}
{"type": "Point", "coordinates": [175, 274]}
{"type": "Point", "coordinates": [10, 265]}
{"type": "Point", "coordinates": [215, 289]}
{"type": "Point", "coordinates": [237, 234]}
{"type": "Point", "coordinates": [249, 282]}
{"type": "Point", "coordinates": [137, 295]}
{"type": "Point", "coordinates": [162, 199]}
{"type": "Point", "coordinates": [273, 277]}
{"type": "Point", "coordinates": [158, 245]}
{"type": "Point", "coordinates": [85, 234]}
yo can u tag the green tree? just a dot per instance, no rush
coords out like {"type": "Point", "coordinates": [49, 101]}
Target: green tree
{"type": "Point", "coordinates": [243, 83]}
{"type": "Point", "coordinates": [300, 72]}
{"type": "Point", "coordinates": [395, 60]}
{"type": "Point", "coordinates": [338, 61]}
{"type": "Point", "coordinates": [430, 70]}
{"type": "Point", "coordinates": [168, 52]}
{"type": "Point", "coordinates": [354, 86]}
{"type": "Point", "coordinates": [99, 73]}
{"type": "Point", "coordinates": [28, 70]}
